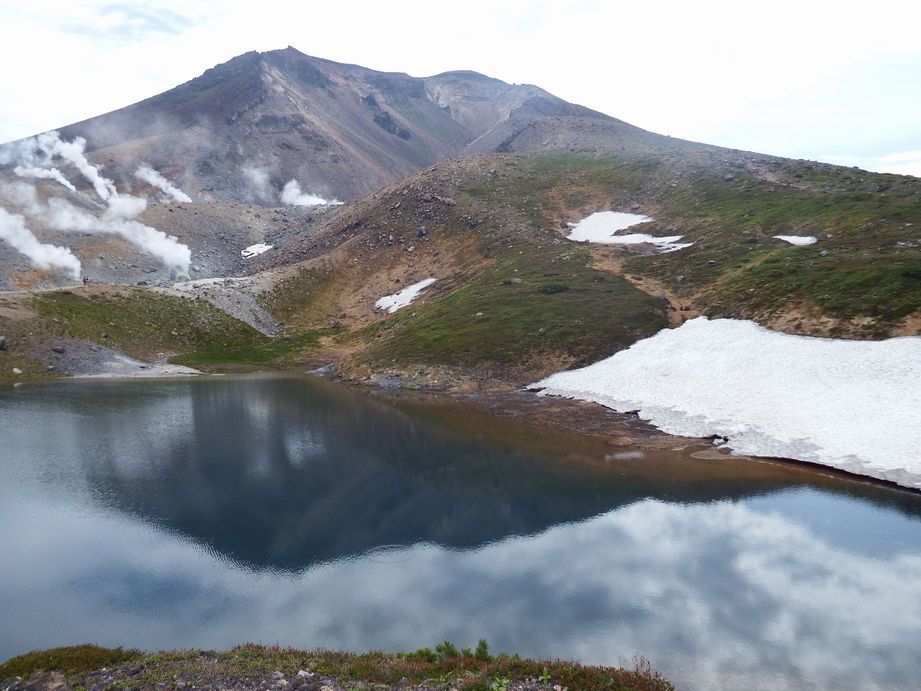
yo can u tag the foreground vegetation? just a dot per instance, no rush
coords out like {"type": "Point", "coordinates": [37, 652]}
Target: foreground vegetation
{"type": "Point", "coordinates": [445, 666]}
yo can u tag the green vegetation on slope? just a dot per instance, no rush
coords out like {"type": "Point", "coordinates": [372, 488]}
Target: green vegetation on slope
{"type": "Point", "coordinates": [300, 299]}
{"type": "Point", "coordinates": [540, 186]}
{"type": "Point", "coordinates": [143, 323]}
{"type": "Point", "coordinates": [535, 302]}
{"type": "Point", "coordinates": [867, 262]}
{"type": "Point", "coordinates": [444, 667]}
{"type": "Point", "coordinates": [544, 303]}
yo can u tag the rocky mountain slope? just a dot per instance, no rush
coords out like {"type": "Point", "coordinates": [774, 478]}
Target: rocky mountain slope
{"type": "Point", "coordinates": [243, 129]}
{"type": "Point", "coordinates": [514, 298]}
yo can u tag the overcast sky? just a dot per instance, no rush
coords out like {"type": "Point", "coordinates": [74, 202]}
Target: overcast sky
{"type": "Point", "coordinates": [836, 81]}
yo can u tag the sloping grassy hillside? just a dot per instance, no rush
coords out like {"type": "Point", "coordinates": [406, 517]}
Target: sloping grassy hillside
{"type": "Point", "coordinates": [546, 304]}
{"type": "Point", "coordinates": [141, 323]}
{"type": "Point", "coordinates": [864, 273]}
{"type": "Point", "coordinates": [514, 298]}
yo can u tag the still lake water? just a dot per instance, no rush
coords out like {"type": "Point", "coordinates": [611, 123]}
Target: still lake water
{"type": "Point", "coordinates": [209, 512]}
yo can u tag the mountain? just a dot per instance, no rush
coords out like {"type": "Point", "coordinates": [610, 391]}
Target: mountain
{"type": "Point", "coordinates": [340, 130]}
{"type": "Point", "coordinates": [457, 177]}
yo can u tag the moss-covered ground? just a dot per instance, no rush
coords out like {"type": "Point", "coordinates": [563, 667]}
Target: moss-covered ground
{"type": "Point", "coordinates": [445, 666]}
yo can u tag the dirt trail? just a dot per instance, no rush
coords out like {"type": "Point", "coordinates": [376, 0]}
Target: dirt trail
{"type": "Point", "coordinates": [680, 309]}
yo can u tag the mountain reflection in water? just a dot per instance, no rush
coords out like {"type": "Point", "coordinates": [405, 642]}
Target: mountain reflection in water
{"type": "Point", "coordinates": [207, 513]}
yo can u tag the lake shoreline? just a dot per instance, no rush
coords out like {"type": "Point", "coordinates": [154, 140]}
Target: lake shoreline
{"type": "Point", "coordinates": [586, 419]}
{"type": "Point", "coordinates": [596, 421]}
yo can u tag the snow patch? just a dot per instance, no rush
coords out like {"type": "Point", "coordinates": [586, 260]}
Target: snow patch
{"type": "Point", "coordinates": [392, 303]}
{"type": "Point", "coordinates": [797, 239]}
{"type": "Point", "coordinates": [602, 227]}
{"type": "Point", "coordinates": [853, 405]}
{"type": "Point", "coordinates": [255, 250]}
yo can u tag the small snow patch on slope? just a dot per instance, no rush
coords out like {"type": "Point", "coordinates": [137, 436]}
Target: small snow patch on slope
{"type": "Point", "coordinates": [853, 405]}
{"type": "Point", "coordinates": [797, 239]}
{"type": "Point", "coordinates": [601, 227]}
{"type": "Point", "coordinates": [254, 250]}
{"type": "Point", "coordinates": [392, 303]}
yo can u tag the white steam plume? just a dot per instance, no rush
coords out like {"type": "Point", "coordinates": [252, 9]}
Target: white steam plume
{"type": "Point", "coordinates": [257, 183]}
{"type": "Point", "coordinates": [21, 194]}
{"type": "Point", "coordinates": [125, 207]}
{"type": "Point", "coordinates": [44, 173]}
{"type": "Point", "coordinates": [292, 195]}
{"type": "Point", "coordinates": [41, 150]}
{"type": "Point", "coordinates": [152, 177]}
{"type": "Point", "coordinates": [13, 231]}
{"type": "Point", "coordinates": [62, 216]}
{"type": "Point", "coordinates": [72, 151]}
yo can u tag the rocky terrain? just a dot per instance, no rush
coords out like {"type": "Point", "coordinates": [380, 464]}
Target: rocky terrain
{"type": "Point", "coordinates": [245, 128]}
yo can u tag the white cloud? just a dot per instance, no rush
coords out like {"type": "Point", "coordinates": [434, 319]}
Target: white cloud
{"type": "Point", "coordinates": [900, 163]}
{"type": "Point", "coordinates": [716, 595]}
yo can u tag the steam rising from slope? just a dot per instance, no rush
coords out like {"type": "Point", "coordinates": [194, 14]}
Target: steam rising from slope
{"type": "Point", "coordinates": [13, 231]}
{"type": "Point", "coordinates": [44, 173]}
{"type": "Point", "coordinates": [60, 215]}
{"type": "Point", "coordinates": [41, 150]}
{"type": "Point", "coordinates": [292, 195]}
{"type": "Point", "coordinates": [52, 144]}
{"type": "Point", "coordinates": [152, 177]}
{"type": "Point", "coordinates": [257, 183]}
{"type": "Point", "coordinates": [21, 194]}
{"type": "Point", "coordinates": [117, 220]}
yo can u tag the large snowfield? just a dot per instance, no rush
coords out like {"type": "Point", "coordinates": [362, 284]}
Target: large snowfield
{"type": "Point", "coordinates": [853, 405]}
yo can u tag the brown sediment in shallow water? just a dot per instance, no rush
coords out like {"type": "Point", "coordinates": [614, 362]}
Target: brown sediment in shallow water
{"type": "Point", "coordinates": [603, 440]}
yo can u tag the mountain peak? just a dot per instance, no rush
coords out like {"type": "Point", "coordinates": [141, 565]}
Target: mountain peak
{"type": "Point", "coordinates": [339, 129]}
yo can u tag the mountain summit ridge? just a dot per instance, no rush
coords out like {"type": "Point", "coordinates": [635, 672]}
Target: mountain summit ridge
{"type": "Point", "coordinates": [341, 130]}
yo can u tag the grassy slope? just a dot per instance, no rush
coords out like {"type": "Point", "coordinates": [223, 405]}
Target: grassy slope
{"type": "Point", "coordinates": [443, 668]}
{"type": "Point", "coordinates": [548, 304]}
{"type": "Point", "coordinates": [143, 324]}
{"type": "Point", "coordinates": [531, 302]}
{"type": "Point", "coordinates": [515, 299]}
{"type": "Point", "coordinates": [866, 265]}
